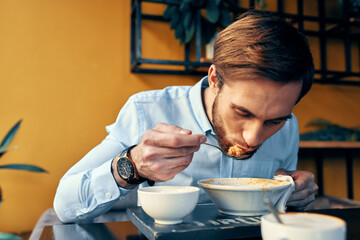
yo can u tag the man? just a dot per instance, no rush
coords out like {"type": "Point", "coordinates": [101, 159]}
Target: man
{"type": "Point", "coordinates": [261, 68]}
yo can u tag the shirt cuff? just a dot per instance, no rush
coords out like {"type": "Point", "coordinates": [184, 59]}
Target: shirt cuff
{"type": "Point", "coordinates": [104, 186]}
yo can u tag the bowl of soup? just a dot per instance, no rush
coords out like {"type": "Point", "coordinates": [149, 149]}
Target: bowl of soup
{"type": "Point", "coordinates": [245, 196]}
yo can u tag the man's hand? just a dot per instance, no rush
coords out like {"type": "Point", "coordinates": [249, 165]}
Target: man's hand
{"type": "Point", "coordinates": [164, 151]}
{"type": "Point", "coordinates": [305, 188]}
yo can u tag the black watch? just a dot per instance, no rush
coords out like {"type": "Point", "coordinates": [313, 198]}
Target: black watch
{"type": "Point", "coordinates": [126, 169]}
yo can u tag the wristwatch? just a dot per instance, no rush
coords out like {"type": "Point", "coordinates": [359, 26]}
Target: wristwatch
{"type": "Point", "coordinates": [126, 169]}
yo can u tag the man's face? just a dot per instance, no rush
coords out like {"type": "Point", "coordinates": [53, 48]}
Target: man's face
{"type": "Point", "coordinates": [247, 112]}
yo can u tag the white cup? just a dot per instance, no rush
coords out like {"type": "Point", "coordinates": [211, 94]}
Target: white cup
{"type": "Point", "coordinates": [303, 226]}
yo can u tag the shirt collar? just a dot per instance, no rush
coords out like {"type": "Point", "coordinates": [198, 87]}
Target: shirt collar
{"type": "Point", "coordinates": [196, 102]}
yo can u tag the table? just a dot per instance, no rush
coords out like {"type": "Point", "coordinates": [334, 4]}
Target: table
{"type": "Point", "coordinates": [107, 231]}
{"type": "Point", "coordinates": [128, 231]}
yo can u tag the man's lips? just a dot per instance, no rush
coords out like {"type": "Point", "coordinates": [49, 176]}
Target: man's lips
{"type": "Point", "coordinates": [247, 151]}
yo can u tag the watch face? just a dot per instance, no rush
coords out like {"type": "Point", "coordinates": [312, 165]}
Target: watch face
{"type": "Point", "coordinates": [125, 168]}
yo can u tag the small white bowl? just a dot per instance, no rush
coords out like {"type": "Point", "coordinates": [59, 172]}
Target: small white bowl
{"type": "Point", "coordinates": [245, 196]}
{"type": "Point", "coordinates": [168, 204]}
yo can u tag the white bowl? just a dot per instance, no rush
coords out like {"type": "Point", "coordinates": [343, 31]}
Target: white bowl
{"type": "Point", "coordinates": [168, 204]}
{"type": "Point", "coordinates": [245, 196]}
{"type": "Point", "coordinates": [303, 226]}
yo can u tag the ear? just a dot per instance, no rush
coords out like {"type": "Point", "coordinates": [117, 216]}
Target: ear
{"type": "Point", "coordinates": [213, 81]}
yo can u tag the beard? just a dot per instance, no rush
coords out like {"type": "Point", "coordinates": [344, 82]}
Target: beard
{"type": "Point", "coordinates": [218, 126]}
{"type": "Point", "coordinates": [219, 129]}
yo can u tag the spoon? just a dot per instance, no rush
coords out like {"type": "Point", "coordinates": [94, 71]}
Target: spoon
{"type": "Point", "coordinates": [273, 211]}
{"type": "Point", "coordinates": [237, 158]}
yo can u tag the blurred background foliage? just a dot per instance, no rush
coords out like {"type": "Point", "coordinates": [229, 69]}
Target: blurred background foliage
{"type": "Point", "coordinates": [328, 131]}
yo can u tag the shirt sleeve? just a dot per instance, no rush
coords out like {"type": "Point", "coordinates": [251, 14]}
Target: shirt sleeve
{"type": "Point", "coordinates": [89, 189]}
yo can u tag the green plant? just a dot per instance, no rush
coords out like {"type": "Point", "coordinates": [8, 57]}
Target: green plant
{"type": "Point", "coordinates": [28, 167]}
{"type": "Point", "coordinates": [9, 236]}
{"type": "Point", "coordinates": [217, 14]}
{"type": "Point", "coordinates": [4, 145]}
{"type": "Point", "coordinates": [330, 132]}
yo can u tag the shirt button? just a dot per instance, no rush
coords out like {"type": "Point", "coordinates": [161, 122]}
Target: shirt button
{"type": "Point", "coordinates": [108, 195]}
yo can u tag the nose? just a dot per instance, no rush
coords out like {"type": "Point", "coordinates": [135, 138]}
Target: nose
{"type": "Point", "coordinates": [252, 134]}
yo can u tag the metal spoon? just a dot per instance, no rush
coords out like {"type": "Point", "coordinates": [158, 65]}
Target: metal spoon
{"type": "Point", "coordinates": [273, 210]}
{"type": "Point", "coordinates": [225, 153]}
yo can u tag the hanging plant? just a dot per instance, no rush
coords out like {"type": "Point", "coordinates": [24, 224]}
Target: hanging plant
{"type": "Point", "coordinates": [182, 17]}
{"type": "Point", "coordinates": [217, 15]}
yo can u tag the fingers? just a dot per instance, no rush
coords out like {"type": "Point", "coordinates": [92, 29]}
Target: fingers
{"type": "Point", "coordinates": [168, 168]}
{"type": "Point", "coordinates": [302, 197]}
{"type": "Point", "coordinates": [301, 204]}
{"type": "Point", "coordinates": [303, 179]}
{"type": "Point", "coordinates": [165, 135]}
{"type": "Point", "coordinates": [282, 171]}
{"type": "Point", "coordinates": [172, 140]}
{"type": "Point", "coordinates": [305, 189]}
{"type": "Point", "coordinates": [163, 127]}
{"type": "Point", "coordinates": [164, 151]}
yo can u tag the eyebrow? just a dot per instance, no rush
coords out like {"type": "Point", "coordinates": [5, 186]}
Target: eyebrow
{"type": "Point", "coordinates": [282, 118]}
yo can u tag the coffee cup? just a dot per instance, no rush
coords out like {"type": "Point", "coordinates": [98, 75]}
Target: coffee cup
{"type": "Point", "coordinates": [303, 226]}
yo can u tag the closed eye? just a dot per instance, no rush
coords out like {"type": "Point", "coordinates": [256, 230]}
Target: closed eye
{"type": "Point", "coordinates": [243, 114]}
{"type": "Point", "coordinates": [276, 122]}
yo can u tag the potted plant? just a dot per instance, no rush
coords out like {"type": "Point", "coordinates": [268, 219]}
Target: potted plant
{"type": "Point", "coordinates": [328, 131]}
{"type": "Point", "coordinates": [27, 167]}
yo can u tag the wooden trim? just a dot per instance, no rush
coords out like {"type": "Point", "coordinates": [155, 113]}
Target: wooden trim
{"type": "Point", "coordinates": [329, 144]}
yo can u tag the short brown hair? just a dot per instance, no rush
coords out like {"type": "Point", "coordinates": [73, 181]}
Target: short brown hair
{"type": "Point", "coordinates": [262, 44]}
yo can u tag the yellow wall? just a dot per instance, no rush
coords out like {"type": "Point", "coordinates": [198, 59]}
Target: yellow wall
{"type": "Point", "coordinates": [64, 70]}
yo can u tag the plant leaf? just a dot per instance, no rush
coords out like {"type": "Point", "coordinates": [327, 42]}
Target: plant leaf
{"type": "Point", "coordinates": [9, 236]}
{"type": "Point", "coordinates": [212, 11]}
{"type": "Point", "coordinates": [231, 4]}
{"type": "Point", "coordinates": [353, 137]}
{"type": "Point", "coordinates": [185, 7]}
{"type": "Point", "coordinates": [26, 167]}
{"type": "Point", "coordinates": [168, 12]}
{"type": "Point", "coordinates": [262, 4]}
{"type": "Point", "coordinates": [180, 32]}
{"type": "Point", "coordinates": [8, 138]}
{"type": "Point", "coordinates": [197, 3]}
{"type": "Point", "coordinates": [322, 123]}
{"type": "Point", "coordinates": [175, 19]}
{"type": "Point", "coordinates": [208, 30]}
{"type": "Point", "coordinates": [225, 17]}
{"type": "Point", "coordinates": [189, 33]}
{"type": "Point", "coordinates": [188, 19]}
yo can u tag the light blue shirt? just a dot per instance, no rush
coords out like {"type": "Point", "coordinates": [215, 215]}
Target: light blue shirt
{"type": "Point", "coordinates": [89, 189]}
